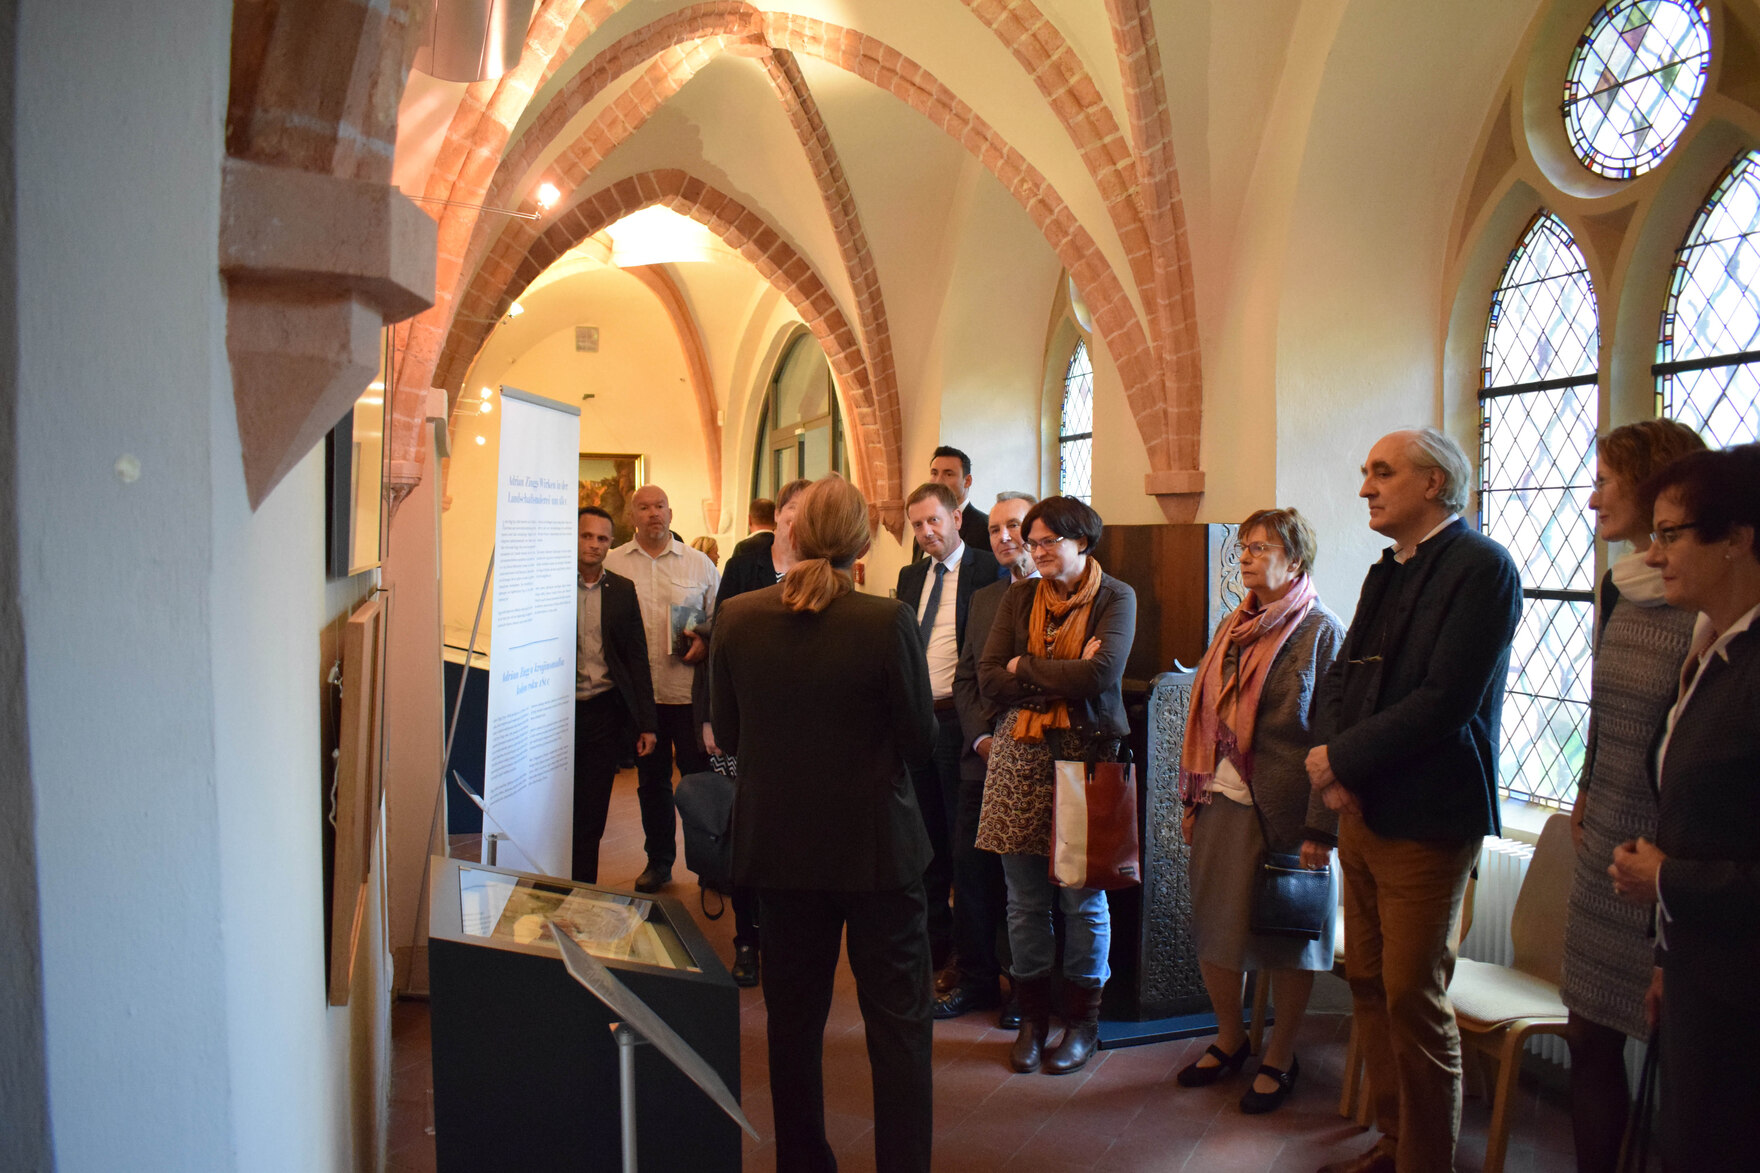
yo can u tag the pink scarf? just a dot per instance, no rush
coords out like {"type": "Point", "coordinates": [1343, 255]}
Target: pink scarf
{"type": "Point", "coordinates": [1222, 711]}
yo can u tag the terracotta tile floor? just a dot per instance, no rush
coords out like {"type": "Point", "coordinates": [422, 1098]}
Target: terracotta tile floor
{"type": "Point", "coordinates": [1122, 1112]}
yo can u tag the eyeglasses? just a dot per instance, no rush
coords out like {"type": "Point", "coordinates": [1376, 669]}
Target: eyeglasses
{"type": "Point", "coordinates": [1045, 544]}
{"type": "Point", "coordinates": [1256, 549]}
{"type": "Point", "coordinates": [1666, 535]}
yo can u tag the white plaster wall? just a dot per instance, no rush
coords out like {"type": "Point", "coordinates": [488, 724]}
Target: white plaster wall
{"type": "Point", "coordinates": [119, 115]}
{"type": "Point", "coordinates": [172, 637]}
{"type": "Point", "coordinates": [1364, 307]}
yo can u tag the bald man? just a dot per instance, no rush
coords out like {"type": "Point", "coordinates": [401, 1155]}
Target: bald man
{"type": "Point", "coordinates": [667, 573]}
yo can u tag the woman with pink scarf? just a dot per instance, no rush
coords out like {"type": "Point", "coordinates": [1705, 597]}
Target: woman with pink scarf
{"type": "Point", "coordinates": [1246, 738]}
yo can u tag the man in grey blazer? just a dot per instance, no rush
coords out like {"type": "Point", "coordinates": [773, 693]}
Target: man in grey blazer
{"type": "Point", "coordinates": [1405, 734]}
{"type": "Point", "coordinates": [980, 894]}
{"type": "Point", "coordinates": [938, 589]}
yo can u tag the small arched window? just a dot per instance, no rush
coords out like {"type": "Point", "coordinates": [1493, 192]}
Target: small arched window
{"type": "Point", "coordinates": [1075, 431]}
{"type": "Point", "coordinates": [800, 430]}
{"type": "Point", "coordinates": [1538, 412]}
{"type": "Point", "coordinates": [1708, 373]}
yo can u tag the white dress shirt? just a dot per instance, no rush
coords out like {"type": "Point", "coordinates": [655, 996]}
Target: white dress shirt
{"type": "Point", "coordinates": [943, 637]}
{"type": "Point", "coordinates": [680, 575]}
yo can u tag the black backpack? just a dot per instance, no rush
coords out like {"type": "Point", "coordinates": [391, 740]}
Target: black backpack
{"type": "Point", "coordinates": [705, 807]}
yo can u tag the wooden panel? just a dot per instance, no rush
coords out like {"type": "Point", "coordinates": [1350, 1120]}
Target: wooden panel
{"type": "Point", "coordinates": [358, 786]}
{"type": "Point", "coordinates": [1172, 568]}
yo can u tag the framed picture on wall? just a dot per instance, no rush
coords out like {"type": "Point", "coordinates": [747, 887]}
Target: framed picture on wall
{"type": "Point", "coordinates": [609, 480]}
{"type": "Point", "coordinates": [354, 467]}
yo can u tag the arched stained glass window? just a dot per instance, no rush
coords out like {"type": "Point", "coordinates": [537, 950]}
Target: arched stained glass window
{"type": "Point", "coordinates": [1538, 407]}
{"type": "Point", "coordinates": [1634, 80]}
{"type": "Point", "coordinates": [1075, 432]}
{"type": "Point", "coordinates": [1708, 376]}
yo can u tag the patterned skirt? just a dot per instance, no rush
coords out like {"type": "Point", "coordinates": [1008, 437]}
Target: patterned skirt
{"type": "Point", "coordinates": [1015, 818]}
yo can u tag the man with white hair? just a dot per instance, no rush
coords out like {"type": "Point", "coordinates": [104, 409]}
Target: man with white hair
{"type": "Point", "coordinates": [1406, 751]}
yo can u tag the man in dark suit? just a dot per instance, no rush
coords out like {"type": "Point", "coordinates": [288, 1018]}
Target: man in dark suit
{"type": "Point", "coordinates": [941, 610]}
{"type": "Point", "coordinates": [613, 692]}
{"type": "Point", "coordinates": [761, 521]}
{"type": "Point", "coordinates": [953, 468]}
{"type": "Point", "coordinates": [981, 895]}
{"type": "Point", "coordinates": [1406, 751]}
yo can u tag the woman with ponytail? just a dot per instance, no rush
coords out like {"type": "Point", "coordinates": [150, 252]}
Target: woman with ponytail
{"type": "Point", "coordinates": [823, 695]}
{"type": "Point", "coordinates": [1054, 663]}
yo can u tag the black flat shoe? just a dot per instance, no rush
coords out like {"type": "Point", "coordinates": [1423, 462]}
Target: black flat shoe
{"type": "Point", "coordinates": [1192, 1075]}
{"type": "Point", "coordinates": [964, 998]}
{"type": "Point", "coordinates": [655, 877]}
{"type": "Point", "coordinates": [1257, 1103]}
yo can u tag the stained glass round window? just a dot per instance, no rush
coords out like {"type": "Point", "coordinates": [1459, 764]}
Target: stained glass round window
{"type": "Point", "coordinates": [1634, 80]}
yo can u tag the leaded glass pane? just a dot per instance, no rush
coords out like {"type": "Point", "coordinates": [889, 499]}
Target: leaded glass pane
{"type": "Point", "coordinates": [1539, 452]}
{"type": "Point", "coordinates": [1537, 448]}
{"type": "Point", "coordinates": [1634, 81]}
{"type": "Point", "coordinates": [1714, 310]}
{"type": "Point", "coordinates": [1543, 314]}
{"type": "Point", "coordinates": [1546, 708]}
{"type": "Point", "coordinates": [1075, 442]}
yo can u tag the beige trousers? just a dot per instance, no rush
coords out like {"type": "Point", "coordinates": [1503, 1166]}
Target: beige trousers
{"type": "Point", "coordinates": [1401, 898]}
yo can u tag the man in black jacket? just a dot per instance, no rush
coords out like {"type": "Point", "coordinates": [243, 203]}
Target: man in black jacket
{"type": "Point", "coordinates": [941, 608]}
{"type": "Point", "coordinates": [613, 691]}
{"type": "Point", "coordinates": [980, 893]}
{"type": "Point", "coordinates": [953, 468]}
{"type": "Point", "coordinates": [1406, 751]}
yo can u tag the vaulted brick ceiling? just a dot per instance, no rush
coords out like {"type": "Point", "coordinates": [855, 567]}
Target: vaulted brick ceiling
{"type": "Point", "coordinates": [1061, 102]}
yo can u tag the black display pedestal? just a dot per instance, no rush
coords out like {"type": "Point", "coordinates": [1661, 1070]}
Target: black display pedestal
{"type": "Point", "coordinates": [525, 1065]}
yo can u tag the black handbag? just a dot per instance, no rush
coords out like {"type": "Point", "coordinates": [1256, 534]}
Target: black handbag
{"type": "Point", "coordinates": [1289, 900]}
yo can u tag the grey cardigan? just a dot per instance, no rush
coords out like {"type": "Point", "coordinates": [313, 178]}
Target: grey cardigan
{"type": "Point", "coordinates": [1283, 733]}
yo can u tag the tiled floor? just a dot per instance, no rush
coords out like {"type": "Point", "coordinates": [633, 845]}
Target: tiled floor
{"type": "Point", "coordinates": [1122, 1112]}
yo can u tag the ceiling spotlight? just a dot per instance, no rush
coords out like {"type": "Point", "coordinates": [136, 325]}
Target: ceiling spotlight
{"type": "Point", "coordinates": [481, 440]}
{"type": "Point", "coordinates": [515, 310]}
{"type": "Point", "coordinates": [548, 195]}
{"type": "Point", "coordinates": [487, 407]}
{"type": "Point", "coordinates": [487, 393]}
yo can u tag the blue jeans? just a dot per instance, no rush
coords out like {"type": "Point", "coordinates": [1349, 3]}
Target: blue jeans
{"type": "Point", "coordinates": [1087, 924]}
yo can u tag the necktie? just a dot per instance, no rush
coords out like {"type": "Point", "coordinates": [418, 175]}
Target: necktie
{"type": "Point", "coordinates": [927, 623]}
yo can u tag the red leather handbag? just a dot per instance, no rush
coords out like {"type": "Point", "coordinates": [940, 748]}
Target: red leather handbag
{"type": "Point", "coordinates": [1094, 841]}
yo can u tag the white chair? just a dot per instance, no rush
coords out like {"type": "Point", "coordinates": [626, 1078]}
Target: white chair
{"type": "Point", "coordinates": [1499, 1007]}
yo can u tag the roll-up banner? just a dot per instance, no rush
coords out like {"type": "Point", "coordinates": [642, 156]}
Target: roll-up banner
{"type": "Point", "coordinates": [528, 773]}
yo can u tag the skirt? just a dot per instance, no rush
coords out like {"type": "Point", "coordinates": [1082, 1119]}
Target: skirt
{"type": "Point", "coordinates": [1226, 848]}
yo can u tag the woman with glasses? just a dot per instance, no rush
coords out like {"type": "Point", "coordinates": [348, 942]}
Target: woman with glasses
{"type": "Point", "coordinates": [1053, 663]}
{"type": "Point", "coordinates": [1701, 875]}
{"type": "Point", "coordinates": [1641, 640]}
{"type": "Point", "coordinates": [1246, 792]}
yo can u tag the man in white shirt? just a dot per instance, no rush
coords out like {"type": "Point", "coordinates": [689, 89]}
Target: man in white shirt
{"type": "Point", "coordinates": [941, 603]}
{"type": "Point", "coordinates": [667, 574]}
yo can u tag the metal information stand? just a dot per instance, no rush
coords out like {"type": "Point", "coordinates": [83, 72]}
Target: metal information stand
{"type": "Point", "coordinates": [639, 1024]}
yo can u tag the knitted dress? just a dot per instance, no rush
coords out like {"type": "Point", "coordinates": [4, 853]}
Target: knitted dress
{"type": "Point", "coordinates": [1608, 954]}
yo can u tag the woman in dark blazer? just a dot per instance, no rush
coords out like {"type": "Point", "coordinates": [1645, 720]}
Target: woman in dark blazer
{"type": "Point", "coordinates": [1053, 662]}
{"type": "Point", "coordinates": [823, 695]}
{"type": "Point", "coordinates": [1703, 871]}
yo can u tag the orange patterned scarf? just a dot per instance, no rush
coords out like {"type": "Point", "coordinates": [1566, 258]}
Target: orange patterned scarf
{"type": "Point", "coordinates": [1057, 630]}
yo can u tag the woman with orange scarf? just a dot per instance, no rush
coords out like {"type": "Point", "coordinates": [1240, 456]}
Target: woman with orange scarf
{"type": "Point", "coordinates": [1247, 735]}
{"type": "Point", "coordinates": [1053, 663]}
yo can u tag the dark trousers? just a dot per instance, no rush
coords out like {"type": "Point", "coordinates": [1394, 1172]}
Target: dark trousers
{"type": "Point", "coordinates": [889, 956]}
{"type": "Point", "coordinates": [1708, 1079]}
{"type": "Point", "coordinates": [745, 916]}
{"type": "Point", "coordinates": [676, 737]}
{"type": "Point", "coordinates": [980, 894]}
{"type": "Point", "coordinates": [601, 736]}
{"type": "Point", "coordinates": [937, 789]}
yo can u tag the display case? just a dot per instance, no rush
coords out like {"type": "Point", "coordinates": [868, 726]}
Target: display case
{"type": "Point", "coordinates": [525, 1067]}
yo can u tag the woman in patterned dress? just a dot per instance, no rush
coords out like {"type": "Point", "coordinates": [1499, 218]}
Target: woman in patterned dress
{"type": "Point", "coordinates": [1053, 662]}
{"type": "Point", "coordinates": [1642, 641]}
